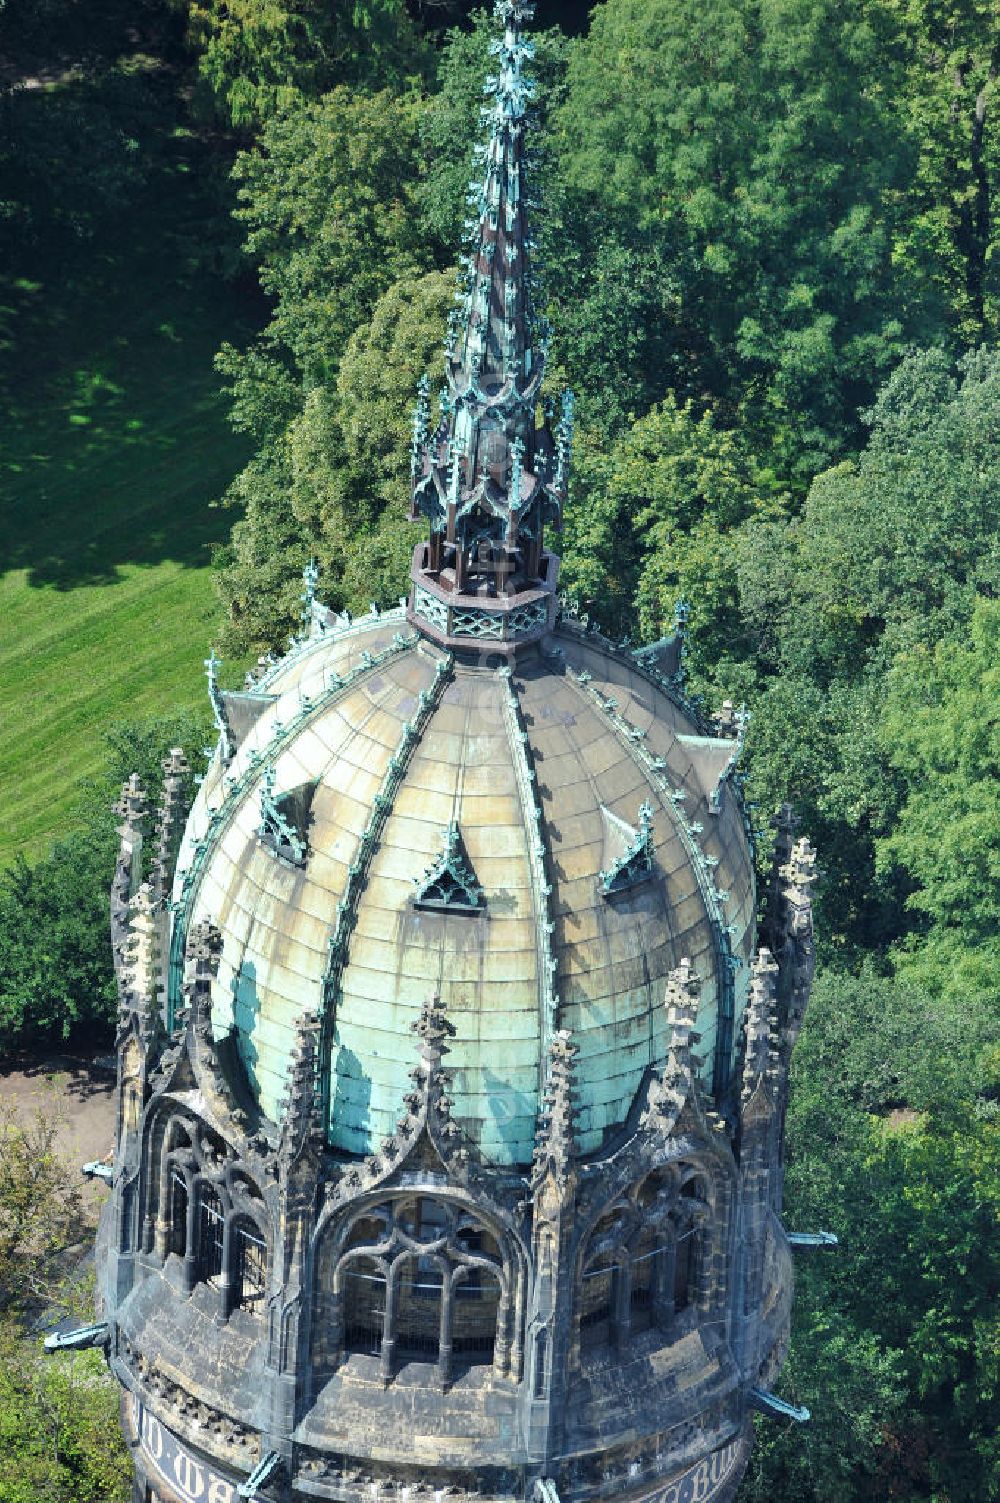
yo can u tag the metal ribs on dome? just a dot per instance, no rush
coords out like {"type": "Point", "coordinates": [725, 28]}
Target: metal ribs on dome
{"type": "Point", "coordinates": [524, 774]}
{"type": "Point", "coordinates": [237, 787]}
{"type": "Point", "coordinates": [347, 908]}
{"type": "Point", "coordinates": [486, 480]}
{"type": "Point", "coordinates": [726, 961]}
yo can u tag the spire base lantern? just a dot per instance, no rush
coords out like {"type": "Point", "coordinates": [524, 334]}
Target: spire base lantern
{"type": "Point", "coordinates": [461, 621]}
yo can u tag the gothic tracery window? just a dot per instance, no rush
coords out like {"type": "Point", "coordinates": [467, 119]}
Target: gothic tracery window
{"type": "Point", "coordinates": [215, 1224]}
{"type": "Point", "coordinates": [211, 1235]}
{"type": "Point", "coordinates": [178, 1212]}
{"type": "Point", "coordinates": [421, 1280]}
{"type": "Point", "coordinates": [642, 1262]}
{"type": "Point", "coordinates": [251, 1267]}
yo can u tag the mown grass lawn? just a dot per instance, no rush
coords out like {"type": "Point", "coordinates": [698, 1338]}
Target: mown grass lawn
{"type": "Point", "coordinates": [114, 442]}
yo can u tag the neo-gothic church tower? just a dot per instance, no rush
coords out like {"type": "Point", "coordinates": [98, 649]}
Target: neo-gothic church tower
{"type": "Point", "coordinates": [452, 1069]}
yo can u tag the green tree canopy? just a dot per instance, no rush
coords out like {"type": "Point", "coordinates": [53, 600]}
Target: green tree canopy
{"type": "Point", "coordinates": [334, 485]}
{"type": "Point", "coordinates": [893, 1144]}
{"type": "Point", "coordinates": [261, 59]}
{"type": "Point", "coordinates": [752, 160]}
{"type": "Point", "coordinates": [941, 730]}
{"type": "Point", "coordinates": [889, 552]}
{"type": "Point", "coordinates": [56, 976]}
{"type": "Point", "coordinates": [329, 199]}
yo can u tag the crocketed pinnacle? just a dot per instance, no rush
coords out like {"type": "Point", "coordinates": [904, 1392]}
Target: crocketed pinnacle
{"type": "Point", "coordinates": [491, 339]}
{"type": "Point", "coordinates": [487, 480]}
{"type": "Point", "coordinates": [760, 1023]}
{"type": "Point", "coordinates": [555, 1139]}
{"type": "Point", "coordinates": [300, 1114]}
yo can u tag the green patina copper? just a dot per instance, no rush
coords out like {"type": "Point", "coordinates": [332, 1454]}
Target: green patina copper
{"type": "Point", "coordinates": [553, 904]}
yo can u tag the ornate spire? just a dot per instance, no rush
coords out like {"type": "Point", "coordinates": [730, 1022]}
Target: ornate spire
{"type": "Point", "coordinates": [431, 1079]}
{"type": "Point", "coordinates": [300, 1113]}
{"type": "Point", "coordinates": [487, 480]}
{"type": "Point", "coordinates": [133, 808]}
{"type": "Point", "coordinates": [800, 877]}
{"type": "Point", "coordinates": [669, 1089]}
{"type": "Point", "coordinates": [204, 947]}
{"type": "Point", "coordinates": [143, 974]}
{"type": "Point", "coordinates": [798, 953]}
{"type": "Point", "coordinates": [681, 1000]}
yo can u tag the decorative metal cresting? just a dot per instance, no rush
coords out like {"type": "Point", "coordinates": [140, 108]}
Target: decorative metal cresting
{"type": "Point", "coordinates": [357, 874]}
{"type": "Point", "coordinates": [486, 480]}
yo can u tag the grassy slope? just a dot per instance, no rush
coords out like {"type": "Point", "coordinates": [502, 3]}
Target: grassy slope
{"type": "Point", "coordinates": [114, 441]}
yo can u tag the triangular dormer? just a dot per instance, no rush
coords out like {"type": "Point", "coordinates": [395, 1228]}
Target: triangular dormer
{"type": "Point", "coordinates": [450, 885]}
{"type": "Point", "coordinates": [284, 820]}
{"type": "Point", "coordinates": [628, 851]}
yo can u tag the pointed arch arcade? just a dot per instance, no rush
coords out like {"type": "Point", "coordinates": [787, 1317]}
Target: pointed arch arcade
{"type": "Point", "coordinates": [642, 1265]}
{"type": "Point", "coordinates": [202, 1207]}
{"type": "Point", "coordinates": [417, 1275]}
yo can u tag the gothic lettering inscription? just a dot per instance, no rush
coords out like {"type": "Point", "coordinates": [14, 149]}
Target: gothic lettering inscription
{"type": "Point", "coordinates": [703, 1482]}
{"type": "Point", "coordinates": [170, 1466]}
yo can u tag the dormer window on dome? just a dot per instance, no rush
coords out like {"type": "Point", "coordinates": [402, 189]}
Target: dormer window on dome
{"type": "Point", "coordinates": [634, 862]}
{"type": "Point", "coordinates": [450, 884]}
{"type": "Point", "coordinates": [283, 820]}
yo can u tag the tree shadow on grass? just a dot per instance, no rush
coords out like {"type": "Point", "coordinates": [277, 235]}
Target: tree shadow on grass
{"type": "Point", "coordinates": [114, 438]}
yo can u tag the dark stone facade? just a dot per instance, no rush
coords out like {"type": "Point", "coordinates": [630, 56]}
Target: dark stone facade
{"type": "Point", "coordinates": [420, 1324]}
{"type": "Point", "coordinates": [424, 1319]}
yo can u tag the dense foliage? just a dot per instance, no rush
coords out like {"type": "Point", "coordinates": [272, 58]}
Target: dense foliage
{"type": "Point", "coordinates": [770, 259]}
{"type": "Point", "coordinates": [55, 946]}
{"type": "Point", "coordinates": [59, 1433]}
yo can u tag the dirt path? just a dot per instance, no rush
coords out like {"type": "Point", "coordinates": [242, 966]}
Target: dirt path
{"type": "Point", "coordinates": [80, 1088]}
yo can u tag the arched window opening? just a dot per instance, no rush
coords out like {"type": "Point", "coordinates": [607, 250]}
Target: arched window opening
{"type": "Point", "coordinates": [371, 1228]}
{"type": "Point", "coordinates": [600, 1289]}
{"type": "Point", "coordinates": [541, 1361]}
{"type": "Point", "coordinates": [657, 1188]}
{"type": "Point", "coordinates": [211, 1235]}
{"type": "Point", "coordinates": [418, 1330]}
{"type": "Point", "coordinates": [647, 1269]}
{"type": "Point", "coordinates": [423, 1219]}
{"type": "Point", "coordinates": [420, 1280]}
{"type": "Point", "coordinates": [611, 1227]}
{"type": "Point", "coordinates": [477, 1312]}
{"type": "Point", "coordinates": [685, 1266]}
{"type": "Point", "coordinates": [178, 1212]}
{"type": "Point", "coordinates": [364, 1307]}
{"type": "Point", "coordinates": [643, 1262]}
{"type": "Point", "coordinates": [251, 1268]}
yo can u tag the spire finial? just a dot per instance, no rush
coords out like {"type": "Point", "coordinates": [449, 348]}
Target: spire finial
{"type": "Point", "coordinates": [760, 1022]}
{"type": "Point", "coordinates": [219, 715]}
{"type": "Point", "coordinates": [488, 481]}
